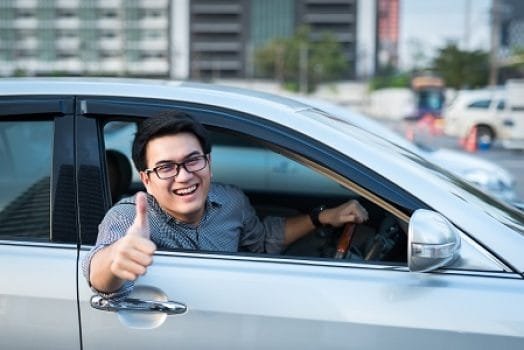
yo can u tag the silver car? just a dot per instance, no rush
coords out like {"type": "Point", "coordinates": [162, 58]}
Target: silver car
{"type": "Point", "coordinates": [438, 265]}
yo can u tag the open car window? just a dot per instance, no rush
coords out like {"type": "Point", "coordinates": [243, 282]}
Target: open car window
{"type": "Point", "coordinates": [281, 183]}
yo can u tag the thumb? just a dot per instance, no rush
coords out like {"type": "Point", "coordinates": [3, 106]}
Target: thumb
{"type": "Point", "coordinates": [140, 225]}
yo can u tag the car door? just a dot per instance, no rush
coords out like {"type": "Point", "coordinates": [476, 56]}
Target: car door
{"type": "Point", "coordinates": [246, 301]}
{"type": "Point", "coordinates": [38, 235]}
{"type": "Point", "coordinates": [513, 127]}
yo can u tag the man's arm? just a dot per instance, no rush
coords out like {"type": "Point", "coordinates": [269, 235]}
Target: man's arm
{"type": "Point", "coordinates": [127, 258]}
{"type": "Point", "coordinates": [349, 212]}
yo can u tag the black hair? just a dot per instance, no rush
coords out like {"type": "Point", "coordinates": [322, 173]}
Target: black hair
{"type": "Point", "coordinates": [163, 124]}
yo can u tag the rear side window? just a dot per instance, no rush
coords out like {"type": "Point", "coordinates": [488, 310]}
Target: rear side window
{"type": "Point", "coordinates": [25, 155]}
{"type": "Point", "coordinates": [480, 104]}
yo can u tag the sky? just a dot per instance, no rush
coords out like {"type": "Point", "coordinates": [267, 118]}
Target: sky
{"type": "Point", "coordinates": [432, 23]}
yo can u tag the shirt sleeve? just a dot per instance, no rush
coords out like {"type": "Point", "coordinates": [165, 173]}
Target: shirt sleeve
{"type": "Point", "coordinates": [114, 225]}
{"type": "Point", "coordinates": [261, 236]}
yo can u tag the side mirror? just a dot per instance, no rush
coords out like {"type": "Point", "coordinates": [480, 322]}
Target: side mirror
{"type": "Point", "coordinates": [433, 241]}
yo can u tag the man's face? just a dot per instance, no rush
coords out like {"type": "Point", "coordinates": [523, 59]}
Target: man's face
{"type": "Point", "coordinates": [183, 196]}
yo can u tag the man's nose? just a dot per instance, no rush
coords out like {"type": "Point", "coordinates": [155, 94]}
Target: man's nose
{"type": "Point", "coordinates": [183, 174]}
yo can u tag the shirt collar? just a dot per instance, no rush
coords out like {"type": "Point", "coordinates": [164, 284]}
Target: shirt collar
{"type": "Point", "coordinates": [213, 198]}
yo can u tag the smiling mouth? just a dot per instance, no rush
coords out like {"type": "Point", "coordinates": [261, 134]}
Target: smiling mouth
{"type": "Point", "coordinates": [186, 191]}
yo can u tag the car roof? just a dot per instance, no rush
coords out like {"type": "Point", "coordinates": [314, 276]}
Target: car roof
{"type": "Point", "coordinates": [130, 87]}
{"type": "Point", "coordinates": [488, 93]}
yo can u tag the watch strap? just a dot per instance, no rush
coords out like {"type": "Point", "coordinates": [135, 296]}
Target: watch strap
{"type": "Point", "coordinates": [314, 215]}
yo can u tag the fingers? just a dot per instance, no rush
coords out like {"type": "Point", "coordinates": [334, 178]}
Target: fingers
{"type": "Point", "coordinates": [129, 271]}
{"type": "Point", "coordinates": [131, 256]}
{"type": "Point", "coordinates": [359, 212]}
{"type": "Point", "coordinates": [352, 218]}
{"type": "Point", "coordinates": [131, 264]}
{"type": "Point", "coordinates": [349, 212]}
{"type": "Point", "coordinates": [140, 226]}
{"type": "Point", "coordinates": [133, 253]}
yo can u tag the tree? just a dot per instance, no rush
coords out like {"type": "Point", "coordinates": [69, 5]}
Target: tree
{"type": "Point", "coordinates": [462, 69]}
{"type": "Point", "coordinates": [512, 66]}
{"type": "Point", "coordinates": [389, 77]}
{"type": "Point", "coordinates": [298, 60]}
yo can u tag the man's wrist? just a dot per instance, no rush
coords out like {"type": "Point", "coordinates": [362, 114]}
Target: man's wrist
{"type": "Point", "coordinates": [314, 215]}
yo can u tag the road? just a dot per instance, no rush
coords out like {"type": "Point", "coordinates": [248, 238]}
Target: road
{"type": "Point", "coordinates": [511, 160]}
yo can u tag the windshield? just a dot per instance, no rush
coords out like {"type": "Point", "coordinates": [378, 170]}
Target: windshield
{"type": "Point", "coordinates": [502, 212]}
{"type": "Point", "coordinates": [430, 99]}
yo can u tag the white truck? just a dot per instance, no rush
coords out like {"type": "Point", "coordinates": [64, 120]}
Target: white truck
{"type": "Point", "coordinates": [496, 114]}
{"type": "Point", "coordinates": [512, 130]}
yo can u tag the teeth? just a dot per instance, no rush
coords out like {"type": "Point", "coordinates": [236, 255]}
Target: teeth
{"type": "Point", "coordinates": [185, 191]}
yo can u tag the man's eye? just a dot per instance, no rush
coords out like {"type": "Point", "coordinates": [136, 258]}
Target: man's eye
{"type": "Point", "coordinates": [166, 168]}
{"type": "Point", "coordinates": [192, 161]}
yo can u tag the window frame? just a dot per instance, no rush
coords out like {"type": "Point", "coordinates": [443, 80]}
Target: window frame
{"type": "Point", "coordinates": [479, 104]}
{"type": "Point", "coordinates": [59, 110]}
{"type": "Point", "coordinates": [101, 110]}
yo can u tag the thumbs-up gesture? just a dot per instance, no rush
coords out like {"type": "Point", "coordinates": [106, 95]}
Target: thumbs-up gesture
{"type": "Point", "coordinates": [133, 253]}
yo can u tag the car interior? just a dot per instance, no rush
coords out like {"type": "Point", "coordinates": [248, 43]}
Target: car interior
{"type": "Point", "coordinates": [277, 184]}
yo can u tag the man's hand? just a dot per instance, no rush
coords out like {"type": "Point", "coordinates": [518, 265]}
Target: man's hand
{"type": "Point", "coordinates": [133, 253]}
{"type": "Point", "coordinates": [349, 212]}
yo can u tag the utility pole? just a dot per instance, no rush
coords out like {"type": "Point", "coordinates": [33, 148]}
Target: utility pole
{"type": "Point", "coordinates": [303, 68]}
{"type": "Point", "coordinates": [495, 42]}
{"type": "Point", "coordinates": [279, 63]}
{"type": "Point", "coordinates": [467, 25]}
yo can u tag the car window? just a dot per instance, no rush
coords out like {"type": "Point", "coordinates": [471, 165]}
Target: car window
{"type": "Point", "coordinates": [238, 160]}
{"type": "Point", "coordinates": [278, 183]}
{"type": "Point", "coordinates": [253, 166]}
{"type": "Point", "coordinates": [25, 155]}
{"type": "Point", "coordinates": [480, 104]}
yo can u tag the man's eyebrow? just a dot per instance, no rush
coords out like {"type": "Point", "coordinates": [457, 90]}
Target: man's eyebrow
{"type": "Point", "coordinates": [192, 154]}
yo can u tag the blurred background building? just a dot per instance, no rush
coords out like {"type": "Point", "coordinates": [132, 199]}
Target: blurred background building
{"type": "Point", "coordinates": [103, 37]}
{"type": "Point", "coordinates": [387, 34]}
{"type": "Point", "coordinates": [225, 34]}
{"type": "Point", "coordinates": [198, 39]}
{"type": "Point", "coordinates": [512, 24]}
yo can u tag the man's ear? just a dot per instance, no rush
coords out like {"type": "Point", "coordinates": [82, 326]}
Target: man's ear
{"type": "Point", "coordinates": [209, 164]}
{"type": "Point", "coordinates": [145, 179]}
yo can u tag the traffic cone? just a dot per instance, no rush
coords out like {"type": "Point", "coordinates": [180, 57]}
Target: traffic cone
{"type": "Point", "coordinates": [437, 126]}
{"type": "Point", "coordinates": [470, 145]}
{"type": "Point", "coordinates": [410, 133]}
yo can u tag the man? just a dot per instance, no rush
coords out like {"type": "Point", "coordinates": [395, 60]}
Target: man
{"type": "Point", "coordinates": [183, 209]}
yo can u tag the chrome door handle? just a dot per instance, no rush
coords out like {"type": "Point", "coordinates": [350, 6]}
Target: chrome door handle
{"type": "Point", "coordinates": [168, 307]}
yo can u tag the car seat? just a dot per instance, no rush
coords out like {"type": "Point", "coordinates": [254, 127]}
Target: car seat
{"type": "Point", "coordinates": [119, 174]}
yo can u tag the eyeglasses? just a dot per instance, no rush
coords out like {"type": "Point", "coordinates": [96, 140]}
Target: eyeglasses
{"type": "Point", "coordinates": [169, 170]}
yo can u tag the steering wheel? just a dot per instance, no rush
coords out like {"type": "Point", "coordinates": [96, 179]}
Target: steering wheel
{"type": "Point", "coordinates": [387, 236]}
{"type": "Point", "coordinates": [344, 241]}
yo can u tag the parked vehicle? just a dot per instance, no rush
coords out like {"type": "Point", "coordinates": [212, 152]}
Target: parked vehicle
{"type": "Point", "coordinates": [485, 174]}
{"type": "Point", "coordinates": [512, 131]}
{"type": "Point", "coordinates": [489, 114]}
{"type": "Point", "coordinates": [433, 244]}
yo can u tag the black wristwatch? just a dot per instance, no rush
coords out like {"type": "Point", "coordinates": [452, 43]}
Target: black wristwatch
{"type": "Point", "coordinates": [314, 215]}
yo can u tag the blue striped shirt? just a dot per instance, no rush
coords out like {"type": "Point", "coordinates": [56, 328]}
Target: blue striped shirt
{"type": "Point", "coordinates": [229, 224]}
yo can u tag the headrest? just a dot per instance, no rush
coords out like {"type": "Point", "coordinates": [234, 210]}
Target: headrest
{"type": "Point", "coordinates": [119, 172]}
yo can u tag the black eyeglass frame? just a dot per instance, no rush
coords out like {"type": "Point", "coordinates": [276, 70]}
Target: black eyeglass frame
{"type": "Point", "coordinates": [178, 166]}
